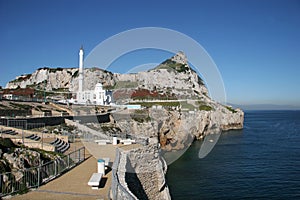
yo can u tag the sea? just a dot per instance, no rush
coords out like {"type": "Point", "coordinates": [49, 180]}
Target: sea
{"type": "Point", "coordinates": [262, 161]}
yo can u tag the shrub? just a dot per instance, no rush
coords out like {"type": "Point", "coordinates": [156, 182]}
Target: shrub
{"type": "Point", "coordinates": [205, 107]}
{"type": "Point", "coordinates": [231, 109]}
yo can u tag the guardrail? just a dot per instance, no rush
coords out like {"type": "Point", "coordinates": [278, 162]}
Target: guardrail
{"type": "Point", "coordinates": [21, 181]}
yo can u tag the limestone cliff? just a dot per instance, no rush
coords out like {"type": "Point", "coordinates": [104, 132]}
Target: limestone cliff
{"type": "Point", "coordinates": [175, 99]}
{"type": "Point", "coordinates": [172, 77]}
{"type": "Point", "coordinates": [54, 79]}
{"type": "Point", "coordinates": [183, 112]}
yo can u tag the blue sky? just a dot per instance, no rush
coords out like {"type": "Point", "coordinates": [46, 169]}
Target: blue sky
{"type": "Point", "coordinates": [254, 43]}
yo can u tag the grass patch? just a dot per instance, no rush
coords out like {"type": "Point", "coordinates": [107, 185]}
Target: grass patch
{"type": "Point", "coordinates": [230, 109]}
{"type": "Point", "coordinates": [186, 105]}
{"type": "Point", "coordinates": [125, 84]}
{"type": "Point", "coordinates": [140, 116]}
{"type": "Point", "coordinates": [160, 103]}
{"type": "Point", "coordinates": [205, 107]}
{"type": "Point", "coordinates": [173, 65]}
{"type": "Point", "coordinates": [6, 143]}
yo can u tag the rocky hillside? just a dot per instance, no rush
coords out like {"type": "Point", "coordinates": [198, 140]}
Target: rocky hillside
{"type": "Point", "coordinates": [15, 158]}
{"type": "Point", "coordinates": [175, 98]}
{"type": "Point", "coordinates": [56, 79]}
{"type": "Point", "coordinates": [172, 77]}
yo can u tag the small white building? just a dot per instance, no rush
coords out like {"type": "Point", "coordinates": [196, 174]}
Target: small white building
{"type": "Point", "coordinates": [98, 96]}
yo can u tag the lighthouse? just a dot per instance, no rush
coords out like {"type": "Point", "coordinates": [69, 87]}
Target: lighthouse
{"type": "Point", "coordinates": [80, 78]}
{"type": "Point", "coordinates": [98, 96]}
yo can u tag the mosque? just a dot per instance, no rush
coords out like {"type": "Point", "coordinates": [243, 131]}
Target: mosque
{"type": "Point", "coordinates": [98, 96]}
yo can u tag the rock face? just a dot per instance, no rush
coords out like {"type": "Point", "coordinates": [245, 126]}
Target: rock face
{"type": "Point", "coordinates": [59, 78]}
{"type": "Point", "coordinates": [176, 129]}
{"type": "Point", "coordinates": [176, 110]}
{"type": "Point", "coordinates": [45, 77]}
{"type": "Point", "coordinates": [172, 76]}
{"type": "Point", "coordinates": [187, 110]}
{"type": "Point", "coordinates": [139, 174]}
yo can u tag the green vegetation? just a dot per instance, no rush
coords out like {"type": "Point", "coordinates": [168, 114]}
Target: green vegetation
{"type": "Point", "coordinates": [200, 81]}
{"type": "Point", "coordinates": [54, 70]}
{"type": "Point", "coordinates": [205, 107]}
{"type": "Point", "coordinates": [4, 167]}
{"type": "Point", "coordinates": [3, 106]}
{"type": "Point", "coordinates": [76, 74]}
{"type": "Point", "coordinates": [140, 116]}
{"type": "Point", "coordinates": [51, 70]}
{"type": "Point", "coordinates": [46, 156]}
{"type": "Point", "coordinates": [231, 109]}
{"type": "Point", "coordinates": [183, 104]}
{"type": "Point", "coordinates": [110, 128]}
{"type": "Point", "coordinates": [60, 89]}
{"type": "Point", "coordinates": [125, 84]}
{"type": "Point", "coordinates": [109, 87]}
{"type": "Point", "coordinates": [43, 68]}
{"type": "Point", "coordinates": [21, 78]}
{"type": "Point", "coordinates": [173, 65]}
{"type": "Point", "coordinates": [21, 106]}
{"type": "Point", "coordinates": [93, 69]}
{"type": "Point", "coordinates": [186, 105]}
{"type": "Point", "coordinates": [160, 103]}
{"type": "Point", "coordinates": [7, 144]}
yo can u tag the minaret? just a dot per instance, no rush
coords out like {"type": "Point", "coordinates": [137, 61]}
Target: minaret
{"type": "Point", "coordinates": [81, 81]}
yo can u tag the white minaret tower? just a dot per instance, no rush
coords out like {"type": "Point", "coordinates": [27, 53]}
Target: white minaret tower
{"type": "Point", "coordinates": [81, 81]}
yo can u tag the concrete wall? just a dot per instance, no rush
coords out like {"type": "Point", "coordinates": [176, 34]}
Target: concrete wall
{"type": "Point", "coordinates": [86, 129]}
{"type": "Point", "coordinates": [33, 144]}
{"type": "Point", "coordinates": [141, 173]}
{"type": "Point", "coordinates": [52, 121]}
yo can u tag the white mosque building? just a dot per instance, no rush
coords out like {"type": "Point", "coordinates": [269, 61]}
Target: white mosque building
{"type": "Point", "coordinates": [98, 96]}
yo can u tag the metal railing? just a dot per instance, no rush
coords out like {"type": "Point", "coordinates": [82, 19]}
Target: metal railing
{"type": "Point", "coordinates": [21, 181]}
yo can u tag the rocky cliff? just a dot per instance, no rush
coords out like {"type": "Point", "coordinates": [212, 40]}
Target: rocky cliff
{"type": "Point", "coordinates": [173, 76]}
{"type": "Point", "coordinates": [175, 99]}
{"type": "Point", "coordinates": [54, 79]}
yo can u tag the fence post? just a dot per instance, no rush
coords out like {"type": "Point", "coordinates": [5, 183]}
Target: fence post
{"type": "Point", "coordinates": [23, 183]}
{"type": "Point", "coordinates": [39, 177]}
{"type": "Point", "coordinates": [1, 185]}
{"type": "Point", "coordinates": [79, 155]}
{"type": "Point", "coordinates": [55, 168]}
{"type": "Point", "coordinates": [68, 161]}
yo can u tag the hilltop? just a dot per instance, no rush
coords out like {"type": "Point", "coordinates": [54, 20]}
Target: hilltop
{"type": "Point", "coordinates": [173, 78]}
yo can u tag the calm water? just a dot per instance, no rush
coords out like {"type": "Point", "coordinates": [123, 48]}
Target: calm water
{"type": "Point", "coordinates": [262, 161]}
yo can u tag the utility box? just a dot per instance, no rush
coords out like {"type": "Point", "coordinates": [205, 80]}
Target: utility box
{"type": "Point", "coordinates": [101, 166]}
{"type": "Point", "coordinates": [115, 140]}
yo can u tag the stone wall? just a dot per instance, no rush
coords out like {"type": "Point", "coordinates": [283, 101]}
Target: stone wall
{"type": "Point", "coordinates": [141, 173]}
{"type": "Point", "coordinates": [86, 129]}
{"type": "Point", "coordinates": [32, 144]}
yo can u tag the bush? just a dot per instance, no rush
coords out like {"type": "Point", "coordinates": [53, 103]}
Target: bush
{"type": "Point", "coordinates": [205, 107]}
{"type": "Point", "coordinates": [231, 109]}
{"type": "Point", "coordinates": [6, 143]}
